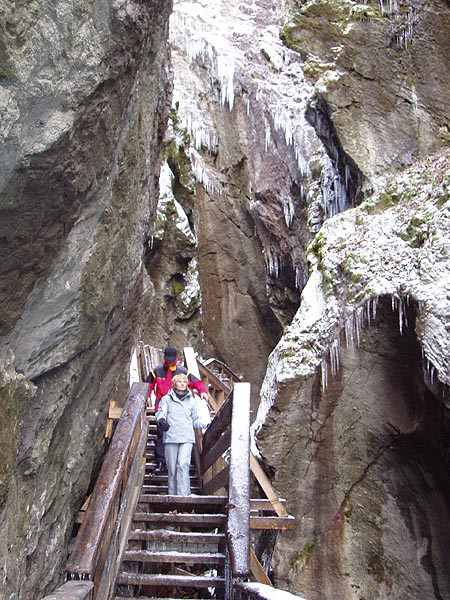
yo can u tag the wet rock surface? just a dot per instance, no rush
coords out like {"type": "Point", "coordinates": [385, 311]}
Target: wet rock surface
{"type": "Point", "coordinates": [83, 103]}
{"type": "Point", "coordinates": [357, 396]}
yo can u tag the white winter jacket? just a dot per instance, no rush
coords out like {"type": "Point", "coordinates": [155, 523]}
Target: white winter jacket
{"type": "Point", "coordinates": [182, 417]}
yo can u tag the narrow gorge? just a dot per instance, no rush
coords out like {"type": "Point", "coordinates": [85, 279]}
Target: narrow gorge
{"type": "Point", "coordinates": [268, 183]}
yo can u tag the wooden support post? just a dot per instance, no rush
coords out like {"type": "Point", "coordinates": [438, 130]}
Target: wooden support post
{"type": "Point", "coordinates": [257, 570]}
{"type": "Point", "coordinates": [238, 522]}
{"type": "Point", "coordinates": [264, 482]}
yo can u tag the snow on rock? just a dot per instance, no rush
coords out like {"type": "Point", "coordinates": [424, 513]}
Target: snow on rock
{"type": "Point", "coordinates": [168, 207]}
{"type": "Point", "coordinates": [239, 46]}
{"type": "Point", "coordinates": [395, 244]}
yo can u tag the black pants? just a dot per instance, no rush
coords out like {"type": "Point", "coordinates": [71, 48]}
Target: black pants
{"type": "Point", "coordinates": [159, 448]}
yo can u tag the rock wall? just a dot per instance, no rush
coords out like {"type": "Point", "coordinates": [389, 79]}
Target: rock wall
{"type": "Point", "coordinates": [381, 69]}
{"type": "Point", "coordinates": [84, 95]}
{"type": "Point", "coordinates": [287, 113]}
{"type": "Point", "coordinates": [357, 397]}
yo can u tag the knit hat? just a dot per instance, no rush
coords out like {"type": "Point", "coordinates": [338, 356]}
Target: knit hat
{"type": "Point", "coordinates": [170, 353]}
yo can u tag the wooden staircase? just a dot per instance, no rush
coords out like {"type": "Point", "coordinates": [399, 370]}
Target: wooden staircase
{"type": "Point", "coordinates": [176, 545]}
{"type": "Point", "coordinates": [138, 542]}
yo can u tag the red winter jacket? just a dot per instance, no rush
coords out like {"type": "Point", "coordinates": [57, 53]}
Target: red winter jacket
{"type": "Point", "coordinates": [161, 379]}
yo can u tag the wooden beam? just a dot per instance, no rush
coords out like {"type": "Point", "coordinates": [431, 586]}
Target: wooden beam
{"type": "Point", "coordinates": [97, 527]}
{"type": "Point", "coordinates": [264, 482]}
{"type": "Point", "coordinates": [272, 522]}
{"type": "Point", "coordinates": [217, 482]}
{"type": "Point", "coordinates": [238, 522]}
{"type": "Point", "coordinates": [257, 570]}
{"type": "Point", "coordinates": [264, 504]}
{"type": "Point", "coordinates": [217, 450]}
{"type": "Point", "coordinates": [219, 424]}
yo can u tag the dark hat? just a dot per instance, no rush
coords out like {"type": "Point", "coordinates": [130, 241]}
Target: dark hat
{"type": "Point", "coordinates": [170, 353]}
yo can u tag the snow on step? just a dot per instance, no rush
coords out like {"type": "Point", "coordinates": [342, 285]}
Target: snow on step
{"type": "Point", "coordinates": [174, 556]}
{"type": "Point", "coordinates": [192, 581]}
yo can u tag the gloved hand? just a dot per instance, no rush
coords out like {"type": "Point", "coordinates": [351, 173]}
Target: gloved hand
{"type": "Point", "coordinates": [163, 425]}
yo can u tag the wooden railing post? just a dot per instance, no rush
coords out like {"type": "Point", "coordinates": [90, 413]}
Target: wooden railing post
{"type": "Point", "coordinates": [238, 522]}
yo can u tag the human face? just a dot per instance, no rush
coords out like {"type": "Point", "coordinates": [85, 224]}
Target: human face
{"type": "Point", "coordinates": [180, 385]}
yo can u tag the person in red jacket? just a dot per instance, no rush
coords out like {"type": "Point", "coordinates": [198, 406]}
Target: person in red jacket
{"type": "Point", "coordinates": [160, 380]}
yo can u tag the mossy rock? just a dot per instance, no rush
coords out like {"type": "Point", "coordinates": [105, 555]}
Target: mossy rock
{"type": "Point", "coordinates": [15, 392]}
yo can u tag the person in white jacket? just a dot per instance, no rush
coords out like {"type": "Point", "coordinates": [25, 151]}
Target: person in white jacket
{"type": "Point", "coordinates": [177, 417]}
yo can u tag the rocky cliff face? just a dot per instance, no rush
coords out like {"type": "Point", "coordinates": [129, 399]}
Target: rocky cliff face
{"type": "Point", "coordinates": [287, 116]}
{"type": "Point", "coordinates": [291, 113]}
{"type": "Point", "coordinates": [284, 115]}
{"type": "Point", "coordinates": [84, 94]}
{"type": "Point", "coordinates": [357, 397]}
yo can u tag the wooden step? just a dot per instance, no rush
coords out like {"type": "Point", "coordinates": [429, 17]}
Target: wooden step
{"type": "Point", "coordinates": [154, 489]}
{"type": "Point", "coordinates": [165, 502]}
{"type": "Point", "coordinates": [194, 581]}
{"type": "Point", "coordinates": [180, 518]}
{"type": "Point", "coordinates": [147, 598]}
{"type": "Point", "coordinates": [156, 478]}
{"type": "Point", "coordinates": [174, 556]}
{"type": "Point", "coordinates": [166, 535]}
{"type": "Point", "coordinates": [272, 522]}
{"type": "Point", "coordinates": [181, 501]}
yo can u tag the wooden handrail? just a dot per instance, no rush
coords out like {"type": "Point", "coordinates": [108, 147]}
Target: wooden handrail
{"type": "Point", "coordinates": [97, 532]}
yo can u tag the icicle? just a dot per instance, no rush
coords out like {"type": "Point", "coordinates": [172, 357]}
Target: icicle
{"type": "Point", "coordinates": [273, 265]}
{"type": "Point", "coordinates": [299, 278]}
{"type": "Point", "coordinates": [268, 138]}
{"type": "Point", "coordinates": [324, 374]}
{"type": "Point", "coordinates": [349, 329]}
{"type": "Point", "coordinates": [375, 307]}
{"type": "Point", "coordinates": [289, 211]}
{"type": "Point", "coordinates": [359, 324]}
{"type": "Point", "coordinates": [335, 356]}
{"type": "Point", "coordinates": [247, 103]}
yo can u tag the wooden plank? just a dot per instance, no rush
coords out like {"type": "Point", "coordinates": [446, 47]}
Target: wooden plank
{"type": "Point", "coordinates": [170, 580]}
{"type": "Point", "coordinates": [214, 381]}
{"type": "Point", "coordinates": [166, 535]}
{"type": "Point", "coordinates": [217, 450]}
{"type": "Point", "coordinates": [115, 412]}
{"type": "Point", "coordinates": [72, 590]}
{"type": "Point", "coordinates": [264, 482]}
{"type": "Point", "coordinates": [272, 522]}
{"type": "Point", "coordinates": [238, 523]}
{"type": "Point", "coordinates": [260, 591]}
{"type": "Point", "coordinates": [177, 502]}
{"type": "Point", "coordinates": [105, 581]}
{"type": "Point", "coordinates": [264, 504]}
{"type": "Point", "coordinates": [256, 568]}
{"type": "Point", "coordinates": [191, 518]}
{"type": "Point", "coordinates": [189, 558]}
{"type": "Point", "coordinates": [141, 361]}
{"type": "Point", "coordinates": [218, 425]}
{"type": "Point", "coordinates": [217, 482]}
{"type": "Point", "coordinates": [190, 360]}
